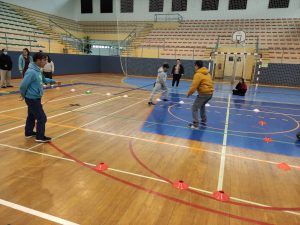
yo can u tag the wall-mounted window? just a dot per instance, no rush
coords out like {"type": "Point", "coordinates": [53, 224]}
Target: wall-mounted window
{"type": "Point", "coordinates": [156, 5]}
{"type": "Point", "coordinates": [278, 4]}
{"type": "Point", "coordinates": [106, 6]}
{"type": "Point", "coordinates": [126, 6]}
{"type": "Point", "coordinates": [86, 6]}
{"type": "Point", "coordinates": [237, 4]}
{"type": "Point", "coordinates": [210, 5]}
{"type": "Point", "coordinates": [179, 5]}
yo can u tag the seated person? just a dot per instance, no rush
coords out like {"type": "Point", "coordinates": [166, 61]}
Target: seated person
{"type": "Point", "coordinates": [241, 88]}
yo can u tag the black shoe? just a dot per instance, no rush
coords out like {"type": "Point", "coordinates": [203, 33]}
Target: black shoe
{"type": "Point", "coordinates": [30, 135]}
{"type": "Point", "coordinates": [9, 86]}
{"type": "Point", "coordinates": [3, 86]}
{"type": "Point", "coordinates": [165, 100]}
{"type": "Point", "coordinates": [44, 140]}
{"type": "Point", "coordinates": [151, 103]}
{"type": "Point", "coordinates": [192, 126]}
{"type": "Point", "coordinates": [204, 123]}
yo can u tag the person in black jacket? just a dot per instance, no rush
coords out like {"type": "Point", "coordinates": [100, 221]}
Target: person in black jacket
{"type": "Point", "coordinates": [177, 72]}
{"type": "Point", "coordinates": [241, 88]}
{"type": "Point", "coordinates": [5, 69]}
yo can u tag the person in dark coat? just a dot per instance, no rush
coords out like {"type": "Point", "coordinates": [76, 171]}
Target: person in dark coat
{"type": "Point", "coordinates": [241, 88]}
{"type": "Point", "coordinates": [5, 69]}
{"type": "Point", "coordinates": [177, 72]}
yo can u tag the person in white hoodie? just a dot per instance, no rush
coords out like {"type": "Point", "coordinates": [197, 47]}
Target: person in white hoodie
{"type": "Point", "coordinates": [48, 69]}
{"type": "Point", "coordinates": [160, 84]}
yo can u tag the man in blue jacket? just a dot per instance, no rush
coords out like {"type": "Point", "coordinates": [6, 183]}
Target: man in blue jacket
{"type": "Point", "coordinates": [31, 89]}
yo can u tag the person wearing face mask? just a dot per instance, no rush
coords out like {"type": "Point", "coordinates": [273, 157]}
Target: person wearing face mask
{"type": "Point", "coordinates": [5, 69]}
{"type": "Point", "coordinates": [31, 89]}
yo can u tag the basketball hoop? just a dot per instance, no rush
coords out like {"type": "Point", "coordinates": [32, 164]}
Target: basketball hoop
{"type": "Point", "coordinates": [239, 37]}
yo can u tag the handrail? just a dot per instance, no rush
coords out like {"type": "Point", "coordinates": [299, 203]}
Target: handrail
{"type": "Point", "coordinates": [179, 17]}
{"type": "Point", "coordinates": [77, 43]}
{"type": "Point", "coordinates": [129, 38]}
{"type": "Point", "coordinates": [34, 36]}
{"type": "Point", "coordinates": [70, 34]}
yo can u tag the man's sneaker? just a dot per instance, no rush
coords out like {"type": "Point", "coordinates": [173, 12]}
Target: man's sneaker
{"type": "Point", "coordinates": [204, 123]}
{"type": "Point", "coordinates": [165, 100]}
{"type": "Point", "coordinates": [44, 140]}
{"type": "Point", "coordinates": [9, 86]}
{"type": "Point", "coordinates": [151, 103]}
{"type": "Point", "coordinates": [3, 86]}
{"type": "Point", "coordinates": [192, 126]}
{"type": "Point", "coordinates": [30, 135]}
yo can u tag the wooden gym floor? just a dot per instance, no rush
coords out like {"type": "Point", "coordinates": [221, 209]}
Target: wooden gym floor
{"type": "Point", "coordinates": [43, 184]}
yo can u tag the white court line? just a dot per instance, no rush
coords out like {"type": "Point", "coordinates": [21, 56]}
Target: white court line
{"type": "Point", "coordinates": [55, 100]}
{"type": "Point", "coordinates": [89, 123]}
{"type": "Point", "coordinates": [223, 154]}
{"type": "Point", "coordinates": [129, 172]}
{"type": "Point", "coordinates": [9, 110]}
{"type": "Point", "coordinates": [36, 213]}
{"type": "Point", "coordinates": [84, 107]}
{"type": "Point", "coordinates": [43, 215]}
{"type": "Point", "coordinates": [137, 175]}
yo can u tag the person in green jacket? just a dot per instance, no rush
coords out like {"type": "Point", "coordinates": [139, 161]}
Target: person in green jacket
{"type": "Point", "coordinates": [31, 89]}
{"type": "Point", "coordinates": [24, 60]}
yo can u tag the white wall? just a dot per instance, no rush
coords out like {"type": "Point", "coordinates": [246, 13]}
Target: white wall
{"type": "Point", "coordinates": [255, 9]}
{"type": "Point", "coordinates": [71, 9]}
{"type": "Point", "coordinates": [63, 8]}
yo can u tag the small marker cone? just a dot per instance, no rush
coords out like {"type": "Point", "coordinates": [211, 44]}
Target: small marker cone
{"type": "Point", "coordinates": [101, 167]}
{"type": "Point", "coordinates": [108, 94]}
{"type": "Point", "coordinates": [125, 96]}
{"type": "Point", "coordinates": [181, 102]}
{"type": "Point", "coordinates": [180, 185]}
{"type": "Point", "coordinates": [268, 139]}
{"type": "Point", "coordinates": [72, 90]}
{"type": "Point", "coordinates": [88, 92]}
{"type": "Point", "coordinates": [158, 100]}
{"type": "Point", "coordinates": [221, 196]}
{"type": "Point", "coordinates": [256, 110]}
{"type": "Point", "coordinates": [207, 104]}
{"type": "Point", "coordinates": [262, 123]}
{"type": "Point", "coordinates": [284, 166]}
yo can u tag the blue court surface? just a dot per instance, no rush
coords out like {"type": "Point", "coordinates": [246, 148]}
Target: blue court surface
{"type": "Point", "coordinates": [271, 129]}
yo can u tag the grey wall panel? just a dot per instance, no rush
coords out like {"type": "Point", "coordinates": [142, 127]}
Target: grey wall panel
{"type": "Point", "coordinates": [64, 64]}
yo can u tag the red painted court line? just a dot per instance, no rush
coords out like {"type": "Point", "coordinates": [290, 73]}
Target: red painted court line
{"type": "Point", "coordinates": [177, 200]}
{"type": "Point", "coordinates": [205, 195]}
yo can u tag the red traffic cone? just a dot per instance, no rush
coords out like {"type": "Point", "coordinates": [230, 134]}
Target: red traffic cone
{"type": "Point", "coordinates": [180, 185]}
{"type": "Point", "coordinates": [284, 166]}
{"type": "Point", "coordinates": [101, 167]}
{"type": "Point", "coordinates": [221, 196]}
